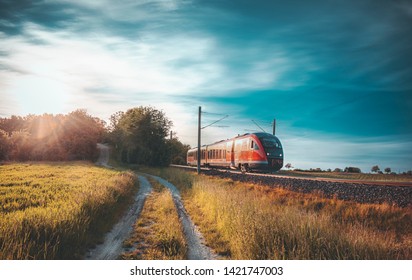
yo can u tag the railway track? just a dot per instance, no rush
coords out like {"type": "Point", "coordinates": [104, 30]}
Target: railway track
{"type": "Point", "coordinates": [395, 193]}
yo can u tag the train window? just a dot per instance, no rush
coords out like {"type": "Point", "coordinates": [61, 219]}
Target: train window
{"type": "Point", "coordinates": [254, 146]}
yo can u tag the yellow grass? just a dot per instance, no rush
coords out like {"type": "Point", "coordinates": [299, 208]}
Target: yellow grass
{"type": "Point", "coordinates": [244, 221]}
{"type": "Point", "coordinates": [55, 210]}
{"type": "Point", "coordinates": [158, 233]}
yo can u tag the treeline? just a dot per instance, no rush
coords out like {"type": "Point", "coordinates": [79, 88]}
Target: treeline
{"type": "Point", "coordinates": [50, 137]}
{"type": "Point", "coordinates": [138, 136]}
{"type": "Point", "coordinates": [141, 136]}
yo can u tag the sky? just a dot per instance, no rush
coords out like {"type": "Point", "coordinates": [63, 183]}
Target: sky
{"type": "Point", "coordinates": [336, 74]}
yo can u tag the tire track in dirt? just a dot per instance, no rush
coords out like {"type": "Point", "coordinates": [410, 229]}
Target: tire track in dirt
{"type": "Point", "coordinates": [197, 250]}
{"type": "Point", "coordinates": [112, 246]}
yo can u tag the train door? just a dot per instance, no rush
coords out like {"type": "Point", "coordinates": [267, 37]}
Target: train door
{"type": "Point", "coordinates": [230, 155]}
{"type": "Point", "coordinates": [237, 152]}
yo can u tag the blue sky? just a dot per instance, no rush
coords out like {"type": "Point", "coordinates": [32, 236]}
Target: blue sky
{"type": "Point", "coordinates": [337, 75]}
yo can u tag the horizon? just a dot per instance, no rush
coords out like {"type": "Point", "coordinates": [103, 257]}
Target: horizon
{"type": "Point", "coordinates": [335, 76]}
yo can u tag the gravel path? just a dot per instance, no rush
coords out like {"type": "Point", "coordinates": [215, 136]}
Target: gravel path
{"type": "Point", "coordinates": [112, 247]}
{"type": "Point", "coordinates": [195, 242]}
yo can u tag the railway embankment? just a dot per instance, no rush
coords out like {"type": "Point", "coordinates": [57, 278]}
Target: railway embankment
{"type": "Point", "coordinates": [359, 192]}
{"type": "Point", "coordinates": [399, 193]}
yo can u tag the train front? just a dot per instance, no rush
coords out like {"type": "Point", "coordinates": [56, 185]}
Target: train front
{"type": "Point", "coordinates": [273, 150]}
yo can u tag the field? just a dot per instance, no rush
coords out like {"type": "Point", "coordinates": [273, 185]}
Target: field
{"type": "Point", "coordinates": [245, 221]}
{"type": "Point", "coordinates": [57, 210]}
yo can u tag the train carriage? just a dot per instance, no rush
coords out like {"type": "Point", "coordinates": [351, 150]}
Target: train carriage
{"type": "Point", "coordinates": [252, 151]}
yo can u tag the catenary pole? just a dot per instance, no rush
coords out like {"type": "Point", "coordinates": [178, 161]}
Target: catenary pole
{"type": "Point", "coordinates": [274, 126]}
{"type": "Point", "coordinates": [198, 140]}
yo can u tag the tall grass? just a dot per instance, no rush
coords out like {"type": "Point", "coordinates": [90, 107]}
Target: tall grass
{"type": "Point", "coordinates": [54, 211]}
{"type": "Point", "coordinates": [158, 233]}
{"type": "Point", "coordinates": [244, 221]}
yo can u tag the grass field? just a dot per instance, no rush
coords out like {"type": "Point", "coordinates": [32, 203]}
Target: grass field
{"type": "Point", "coordinates": [56, 210]}
{"type": "Point", "coordinates": [244, 221]}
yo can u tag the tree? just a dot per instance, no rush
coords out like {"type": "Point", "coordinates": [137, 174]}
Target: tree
{"type": "Point", "coordinates": [337, 170]}
{"type": "Point", "coordinates": [351, 169]}
{"type": "Point", "coordinates": [4, 144]}
{"type": "Point", "coordinates": [21, 145]}
{"type": "Point", "coordinates": [375, 168]}
{"type": "Point", "coordinates": [50, 137]}
{"type": "Point", "coordinates": [81, 132]}
{"type": "Point", "coordinates": [178, 151]}
{"type": "Point", "coordinates": [288, 165]}
{"type": "Point", "coordinates": [388, 170]}
{"type": "Point", "coordinates": [140, 136]}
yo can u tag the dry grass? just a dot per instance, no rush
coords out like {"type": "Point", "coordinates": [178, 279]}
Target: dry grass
{"type": "Point", "coordinates": [244, 221]}
{"type": "Point", "coordinates": [55, 210]}
{"type": "Point", "coordinates": [158, 233]}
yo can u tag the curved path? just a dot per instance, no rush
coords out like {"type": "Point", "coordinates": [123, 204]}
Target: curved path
{"type": "Point", "coordinates": [104, 155]}
{"type": "Point", "coordinates": [112, 246]}
{"type": "Point", "coordinates": [197, 250]}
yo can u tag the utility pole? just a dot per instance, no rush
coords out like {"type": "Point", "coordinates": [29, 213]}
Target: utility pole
{"type": "Point", "coordinates": [198, 140]}
{"type": "Point", "coordinates": [274, 126]}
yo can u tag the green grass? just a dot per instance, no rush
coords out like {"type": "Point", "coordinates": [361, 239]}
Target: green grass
{"type": "Point", "coordinates": [158, 232]}
{"type": "Point", "coordinates": [244, 221]}
{"type": "Point", "coordinates": [56, 210]}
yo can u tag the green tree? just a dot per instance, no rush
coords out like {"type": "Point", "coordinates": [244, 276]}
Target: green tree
{"type": "Point", "coordinates": [80, 135]}
{"type": "Point", "coordinates": [178, 151]}
{"type": "Point", "coordinates": [352, 169]}
{"type": "Point", "coordinates": [140, 136]}
{"type": "Point", "coordinates": [375, 168]}
{"type": "Point", "coordinates": [388, 170]}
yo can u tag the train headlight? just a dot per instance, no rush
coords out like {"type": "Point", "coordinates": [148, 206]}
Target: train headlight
{"type": "Point", "coordinates": [268, 154]}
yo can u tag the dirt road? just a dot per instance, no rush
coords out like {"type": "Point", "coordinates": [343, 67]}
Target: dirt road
{"type": "Point", "coordinates": [197, 250]}
{"type": "Point", "coordinates": [112, 247]}
{"type": "Point", "coordinates": [103, 159]}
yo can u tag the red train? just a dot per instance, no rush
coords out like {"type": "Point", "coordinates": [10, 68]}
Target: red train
{"type": "Point", "coordinates": [249, 152]}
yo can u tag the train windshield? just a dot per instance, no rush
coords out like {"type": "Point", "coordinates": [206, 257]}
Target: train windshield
{"type": "Point", "coordinates": [271, 143]}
